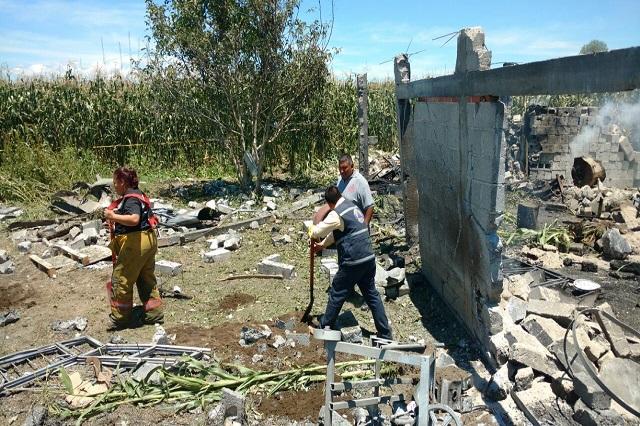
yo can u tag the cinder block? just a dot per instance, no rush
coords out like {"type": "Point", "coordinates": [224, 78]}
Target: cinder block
{"type": "Point", "coordinates": [217, 255]}
{"type": "Point", "coordinates": [168, 267]}
{"type": "Point", "coordinates": [271, 267]}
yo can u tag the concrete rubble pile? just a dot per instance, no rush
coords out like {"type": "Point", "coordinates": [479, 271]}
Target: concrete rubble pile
{"type": "Point", "coordinates": [384, 166]}
{"type": "Point", "coordinates": [538, 363]}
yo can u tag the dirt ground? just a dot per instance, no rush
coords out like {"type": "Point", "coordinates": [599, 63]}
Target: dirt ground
{"type": "Point", "coordinates": [213, 318]}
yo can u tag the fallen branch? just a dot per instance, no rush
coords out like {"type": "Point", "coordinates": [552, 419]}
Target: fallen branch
{"type": "Point", "coordinates": [259, 276]}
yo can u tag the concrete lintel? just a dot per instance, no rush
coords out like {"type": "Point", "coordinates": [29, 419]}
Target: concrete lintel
{"type": "Point", "coordinates": [614, 71]}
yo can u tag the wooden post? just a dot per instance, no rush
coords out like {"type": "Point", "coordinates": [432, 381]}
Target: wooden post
{"type": "Point", "coordinates": [402, 71]}
{"type": "Point", "coordinates": [363, 124]}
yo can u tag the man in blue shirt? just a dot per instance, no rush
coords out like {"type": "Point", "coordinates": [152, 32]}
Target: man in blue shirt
{"type": "Point", "coordinates": [353, 187]}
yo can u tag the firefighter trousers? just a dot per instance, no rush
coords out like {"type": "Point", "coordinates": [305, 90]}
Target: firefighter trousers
{"type": "Point", "coordinates": [135, 264]}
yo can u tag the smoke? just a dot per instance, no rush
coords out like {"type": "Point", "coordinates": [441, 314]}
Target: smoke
{"type": "Point", "coordinates": [611, 118]}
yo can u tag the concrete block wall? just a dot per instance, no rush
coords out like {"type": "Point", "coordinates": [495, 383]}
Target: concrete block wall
{"type": "Point", "coordinates": [459, 161]}
{"type": "Point", "coordinates": [558, 135]}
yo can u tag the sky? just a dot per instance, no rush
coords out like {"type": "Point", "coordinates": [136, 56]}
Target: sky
{"type": "Point", "coordinates": [47, 36]}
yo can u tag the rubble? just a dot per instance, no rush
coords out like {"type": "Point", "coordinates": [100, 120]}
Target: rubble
{"type": "Point", "coordinates": [523, 378]}
{"type": "Point", "coordinates": [271, 265]}
{"type": "Point", "coordinates": [160, 336]}
{"type": "Point", "coordinates": [250, 335]}
{"type": "Point", "coordinates": [168, 267]}
{"type": "Point", "coordinates": [78, 324]}
{"type": "Point", "coordinates": [217, 255]}
{"type": "Point", "coordinates": [24, 246]}
{"type": "Point", "coordinates": [351, 334]}
{"type": "Point", "coordinates": [614, 246]}
{"type": "Point", "coordinates": [9, 317]}
{"type": "Point", "coordinates": [4, 256]}
{"type": "Point", "coordinates": [7, 267]}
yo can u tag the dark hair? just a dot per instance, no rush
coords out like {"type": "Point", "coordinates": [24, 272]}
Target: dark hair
{"type": "Point", "coordinates": [347, 158]}
{"type": "Point", "coordinates": [128, 176]}
{"type": "Point", "coordinates": [332, 194]}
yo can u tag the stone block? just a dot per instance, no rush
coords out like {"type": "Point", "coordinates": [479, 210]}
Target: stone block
{"type": "Point", "coordinates": [614, 333]}
{"type": "Point", "coordinates": [233, 243]}
{"type": "Point", "coordinates": [536, 359]}
{"type": "Point", "coordinates": [519, 285]}
{"type": "Point", "coordinates": [622, 376]}
{"type": "Point", "coordinates": [499, 385]}
{"type": "Point", "coordinates": [546, 330]}
{"type": "Point", "coordinates": [499, 347]}
{"type": "Point", "coordinates": [302, 339]}
{"type": "Point", "coordinates": [517, 309]}
{"type": "Point", "coordinates": [271, 267]}
{"type": "Point", "coordinates": [7, 267]}
{"type": "Point", "coordinates": [95, 224]}
{"type": "Point", "coordinates": [560, 312]}
{"type": "Point", "coordinates": [540, 403]}
{"type": "Point", "coordinates": [595, 351]}
{"type": "Point", "coordinates": [24, 246]}
{"type": "Point", "coordinates": [217, 255]}
{"type": "Point", "coordinates": [4, 256]}
{"type": "Point", "coordinates": [168, 267]}
{"type": "Point", "coordinates": [351, 334]}
{"type": "Point", "coordinates": [74, 232]}
{"type": "Point", "coordinates": [492, 317]}
{"type": "Point", "coordinates": [584, 386]}
{"type": "Point", "coordinates": [523, 378]}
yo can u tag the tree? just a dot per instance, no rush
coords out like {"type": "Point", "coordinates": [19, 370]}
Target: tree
{"type": "Point", "coordinates": [250, 66]}
{"type": "Point", "coordinates": [594, 46]}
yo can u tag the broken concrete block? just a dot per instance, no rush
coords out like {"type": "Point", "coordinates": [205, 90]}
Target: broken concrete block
{"type": "Point", "coordinates": [7, 267]}
{"type": "Point", "coordinates": [546, 330]}
{"type": "Point", "coordinates": [499, 347]}
{"type": "Point", "coordinates": [500, 385]}
{"type": "Point", "coordinates": [278, 341]}
{"type": "Point", "coordinates": [78, 323]}
{"type": "Point", "coordinates": [217, 255]}
{"type": "Point", "coordinates": [614, 333]}
{"type": "Point", "coordinates": [270, 267]}
{"type": "Point", "coordinates": [148, 372]}
{"type": "Point", "coordinates": [588, 417]}
{"type": "Point", "coordinates": [561, 312]}
{"type": "Point", "coordinates": [563, 387]}
{"type": "Point", "coordinates": [233, 243]}
{"type": "Point", "coordinates": [168, 267]}
{"type": "Point", "coordinates": [4, 256]}
{"type": "Point", "coordinates": [517, 309]}
{"type": "Point", "coordinates": [622, 376]}
{"type": "Point", "coordinates": [230, 410]}
{"type": "Point", "coordinates": [95, 224]}
{"type": "Point", "coordinates": [302, 339]}
{"type": "Point", "coordinates": [614, 245]}
{"type": "Point", "coordinates": [351, 334]}
{"type": "Point", "coordinates": [90, 236]}
{"type": "Point", "coordinates": [540, 403]}
{"type": "Point", "coordinates": [584, 386]}
{"type": "Point", "coordinates": [74, 232]}
{"type": "Point", "coordinates": [24, 246]}
{"type": "Point", "coordinates": [524, 377]}
{"type": "Point", "coordinates": [519, 285]}
{"type": "Point", "coordinates": [492, 316]}
{"type": "Point", "coordinates": [250, 335]}
{"type": "Point", "coordinates": [274, 257]}
{"type": "Point", "coordinates": [535, 359]}
{"type": "Point", "coordinates": [594, 351]}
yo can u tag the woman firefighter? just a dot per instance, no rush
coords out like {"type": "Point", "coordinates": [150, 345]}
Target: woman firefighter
{"type": "Point", "coordinates": [134, 245]}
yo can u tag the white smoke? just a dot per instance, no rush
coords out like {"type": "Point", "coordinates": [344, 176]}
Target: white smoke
{"type": "Point", "coordinates": [612, 118]}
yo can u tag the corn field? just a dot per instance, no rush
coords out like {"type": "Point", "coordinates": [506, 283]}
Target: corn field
{"type": "Point", "coordinates": [112, 121]}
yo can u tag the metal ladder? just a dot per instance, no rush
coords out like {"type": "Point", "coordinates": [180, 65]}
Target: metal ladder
{"type": "Point", "coordinates": [382, 350]}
